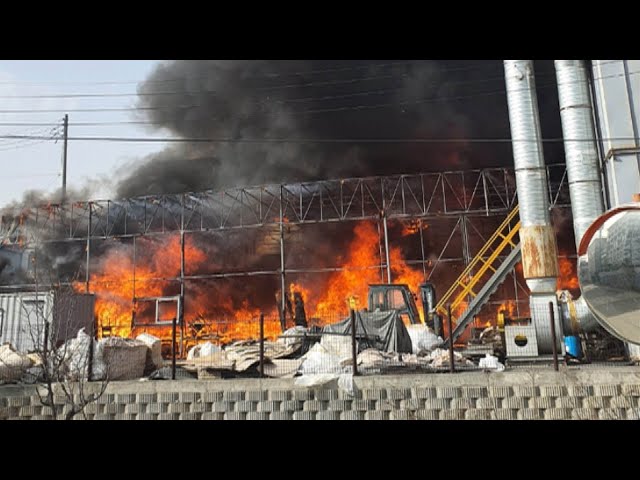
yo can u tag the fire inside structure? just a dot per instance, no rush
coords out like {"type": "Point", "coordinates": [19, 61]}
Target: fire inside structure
{"type": "Point", "coordinates": [218, 260]}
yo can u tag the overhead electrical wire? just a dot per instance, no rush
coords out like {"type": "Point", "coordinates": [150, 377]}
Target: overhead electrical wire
{"type": "Point", "coordinates": [302, 112]}
{"type": "Point", "coordinates": [310, 140]}
{"type": "Point", "coordinates": [263, 75]}
{"type": "Point", "coordinates": [212, 92]}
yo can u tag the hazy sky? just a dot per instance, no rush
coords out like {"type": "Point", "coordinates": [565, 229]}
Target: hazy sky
{"type": "Point", "coordinates": [33, 164]}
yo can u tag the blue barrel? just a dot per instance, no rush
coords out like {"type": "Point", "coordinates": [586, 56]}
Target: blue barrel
{"type": "Point", "coordinates": [573, 346]}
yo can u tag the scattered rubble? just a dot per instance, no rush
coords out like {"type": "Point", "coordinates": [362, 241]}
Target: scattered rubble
{"type": "Point", "coordinates": [329, 357]}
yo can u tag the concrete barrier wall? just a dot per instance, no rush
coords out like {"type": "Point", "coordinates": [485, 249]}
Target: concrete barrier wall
{"type": "Point", "coordinates": [523, 395]}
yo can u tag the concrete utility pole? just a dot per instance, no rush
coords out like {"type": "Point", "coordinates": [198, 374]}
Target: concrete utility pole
{"type": "Point", "coordinates": [64, 159]}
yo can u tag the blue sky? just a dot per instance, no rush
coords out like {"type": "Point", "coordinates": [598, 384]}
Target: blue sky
{"type": "Point", "coordinates": [31, 164]}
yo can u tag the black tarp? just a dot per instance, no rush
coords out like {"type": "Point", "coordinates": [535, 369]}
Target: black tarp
{"type": "Point", "coordinates": [384, 330]}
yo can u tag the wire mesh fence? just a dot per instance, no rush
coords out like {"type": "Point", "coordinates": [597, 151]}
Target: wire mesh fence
{"type": "Point", "coordinates": [267, 346]}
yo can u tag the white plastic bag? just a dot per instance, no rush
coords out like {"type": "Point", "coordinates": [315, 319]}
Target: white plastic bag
{"type": "Point", "coordinates": [202, 350]}
{"type": "Point", "coordinates": [154, 354]}
{"type": "Point", "coordinates": [337, 345]}
{"type": "Point", "coordinates": [315, 380]}
{"type": "Point", "coordinates": [491, 363]}
{"type": "Point", "coordinates": [318, 360]}
{"type": "Point", "coordinates": [423, 340]}
{"type": "Point", "coordinates": [76, 352]}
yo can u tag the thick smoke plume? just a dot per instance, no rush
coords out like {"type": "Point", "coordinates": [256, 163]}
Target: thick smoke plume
{"type": "Point", "coordinates": [248, 100]}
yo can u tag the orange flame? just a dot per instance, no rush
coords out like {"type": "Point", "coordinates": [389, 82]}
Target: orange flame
{"type": "Point", "coordinates": [568, 279]}
{"type": "Point", "coordinates": [157, 269]}
{"type": "Point", "coordinates": [412, 227]}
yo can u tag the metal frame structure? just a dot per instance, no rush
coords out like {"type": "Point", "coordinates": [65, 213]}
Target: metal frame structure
{"type": "Point", "coordinates": [459, 195]}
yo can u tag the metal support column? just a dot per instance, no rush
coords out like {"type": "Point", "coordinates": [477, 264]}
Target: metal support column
{"type": "Point", "coordinates": [380, 250]}
{"type": "Point", "coordinates": [133, 289]}
{"type": "Point", "coordinates": [466, 256]}
{"type": "Point", "coordinates": [88, 251]}
{"type": "Point", "coordinates": [181, 312]}
{"type": "Point", "coordinates": [386, 245]}
{"type": "Point", "coordinates": [283, 287]}
{"type": "Point", "coordinates": [424, 266]}
{"type": "Point", "coordinates": [385, 231]}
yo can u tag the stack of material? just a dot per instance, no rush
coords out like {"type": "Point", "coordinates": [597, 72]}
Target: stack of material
{"type": "Point", "coordinates": [125, 358]}
{"type": "Point", "coordinates": [439, 358]}
{"type": "Point", "coordinates": [375, 359]}
{"type": "Point", "coordinates": [13, 364]}
{"type": "Point", "coordinates": [154, 351]}
{"type": "Point", "coordinates": [241, 356]}
{"type": "Point", "coordinates": [372, 358]}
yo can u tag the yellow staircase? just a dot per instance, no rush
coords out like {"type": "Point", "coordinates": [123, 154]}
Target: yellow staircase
{"type": "Point", "coordinates": [486, 260]}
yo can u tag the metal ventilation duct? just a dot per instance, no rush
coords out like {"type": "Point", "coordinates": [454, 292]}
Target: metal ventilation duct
{"type": "Point", "coordinates": [581, 154]}
{"type": "Point", "coordinates": [539, 251]}
{"type": "Point", "coordinates": [580, 148]}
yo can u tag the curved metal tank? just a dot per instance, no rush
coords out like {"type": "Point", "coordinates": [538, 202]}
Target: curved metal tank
{"type": "Point", "coordinates": [609, 271]}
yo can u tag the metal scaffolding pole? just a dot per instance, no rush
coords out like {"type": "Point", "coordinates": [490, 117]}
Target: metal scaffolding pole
{"type": "Point", "coordinates": [386, 246]}
{"type": "Point", "coordinates": [283, 287]}
{"type": "Point", "coordinates": [181, 312]}
{"type": "Point", "coordinates": [424, 266]}
{"type": "Point", "coordinates": [386, 234]}
{"type": "Point", "coordinates": [380, 252]}
{"type": "Point", "coordinates": [182, 269]}
{"type": "Point", "coordinates": [134, 270]}
{"type": "Point", "coordinates": [88, 252]}
{"type": "Point", "coordinates": [466, 256]}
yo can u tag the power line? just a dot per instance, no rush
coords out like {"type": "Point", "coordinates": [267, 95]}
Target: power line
{"type": "Point", "coordinates": [302, 112]}
{"type": "Point", "coordinates": [311, 140]}
{"type": "Point", "coordinates": [215, 93]}
{"type": "Point", "coordinates": [265, 75]}
{"type": "Point", "coordinates": [32, 175]}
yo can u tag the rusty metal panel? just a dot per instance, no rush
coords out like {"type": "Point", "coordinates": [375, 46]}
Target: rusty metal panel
{"type": "Point", "coordinates": [539, 251]}
{"type": "Point", "coordinates": [72, 312]}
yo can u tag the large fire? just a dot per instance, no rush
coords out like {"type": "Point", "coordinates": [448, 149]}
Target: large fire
{"type": "Point", "coordinates": [353, 282]}
{"type": "Point", "coordinates": [116, 281]}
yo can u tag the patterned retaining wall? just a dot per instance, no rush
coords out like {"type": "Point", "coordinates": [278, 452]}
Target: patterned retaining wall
{"type": "Point", "coordinates": [587, 393]}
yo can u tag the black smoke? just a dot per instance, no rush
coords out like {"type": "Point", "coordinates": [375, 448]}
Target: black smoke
{"type": "Point", "coordinates": [248, 100]}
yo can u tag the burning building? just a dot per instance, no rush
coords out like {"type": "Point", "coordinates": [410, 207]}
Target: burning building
{"type": "Point", "coordinates": [214, 259]}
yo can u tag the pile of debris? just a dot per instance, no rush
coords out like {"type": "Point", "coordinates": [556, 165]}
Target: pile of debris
{"type": "Point", "coordinates": [211, 361]}
{"type": "Point", "coordinates": [383, 345]}
{"type": "Point", "coordinates": [111, 358]}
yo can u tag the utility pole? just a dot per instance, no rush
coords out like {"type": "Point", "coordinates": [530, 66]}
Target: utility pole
{"type": "Point", "coordinates": [64, 159]}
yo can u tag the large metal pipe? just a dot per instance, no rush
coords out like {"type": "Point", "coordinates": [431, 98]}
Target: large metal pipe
{"type": "Point", "coordinates": [583, 172]}
{"type": "Point", "coordinates": [539, 251]}
{"type": "Point", "coordinates": [581, 152]}
{"type": "Point", "coordinates": [537, 237]}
